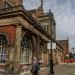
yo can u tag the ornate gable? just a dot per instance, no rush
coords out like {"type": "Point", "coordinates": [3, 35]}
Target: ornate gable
{"type": "Point", "coordinates": [39, 11]}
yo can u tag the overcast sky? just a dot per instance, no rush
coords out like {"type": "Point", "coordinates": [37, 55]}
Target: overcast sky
{"type": "Point", "coordinates": [64, 13]}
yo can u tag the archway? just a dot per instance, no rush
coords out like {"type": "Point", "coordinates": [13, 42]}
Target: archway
{"type": "Point", "coordinates": [26, 52]}
{"type": "Point", "coordinates": [3, 46]}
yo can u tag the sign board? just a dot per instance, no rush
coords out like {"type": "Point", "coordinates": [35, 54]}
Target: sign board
{"type": "Point", "coordinates": [53, 46]}
{"type": "Point", "coordinates": [67, 55]}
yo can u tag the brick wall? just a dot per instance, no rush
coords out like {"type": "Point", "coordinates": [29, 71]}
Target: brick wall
{"type": "Point", "coordinates": [10, 32]}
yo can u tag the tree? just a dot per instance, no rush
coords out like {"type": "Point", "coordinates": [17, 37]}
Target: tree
{"type": "Point", "coordinates": [70, 55]}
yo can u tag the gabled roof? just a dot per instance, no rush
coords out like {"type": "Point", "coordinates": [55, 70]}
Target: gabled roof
{"type": "Point", "coordinates": [63, 43]}
{"type": "Point", "coordinates": [32, 11]}
{"type": "Point", "coordinates": [59, 45]}
{"type": "Point", "coordinates": [38, 10]}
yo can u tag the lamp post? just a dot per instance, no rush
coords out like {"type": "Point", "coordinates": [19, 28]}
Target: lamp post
{"type": "Point", "coordinates": [50, 54]}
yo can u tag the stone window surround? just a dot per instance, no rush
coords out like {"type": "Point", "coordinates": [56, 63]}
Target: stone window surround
{"type": "Point", "coordinates": [26, 56]}
{"type": "Point", "coordinates": [3, 47]}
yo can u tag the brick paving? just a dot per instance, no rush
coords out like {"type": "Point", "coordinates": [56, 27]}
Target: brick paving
{"type": "Point", "coordinates": [65, 69]}
{"type": "Point", "coordinates": [43, 71]}
{"type": "Point", "coordinates": [62, 69]}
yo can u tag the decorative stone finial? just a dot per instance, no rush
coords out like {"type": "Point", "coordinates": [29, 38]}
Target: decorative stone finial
{"type": "Point", "coordinates": [41, 3]}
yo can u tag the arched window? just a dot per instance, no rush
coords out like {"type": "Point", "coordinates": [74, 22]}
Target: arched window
{"type": "Point", "coordinates": [25, 49]}
{"type": "Point", "coordinates": [3, 45]}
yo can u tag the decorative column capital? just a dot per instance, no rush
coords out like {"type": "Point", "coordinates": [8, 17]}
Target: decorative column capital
{"type": "Point", "coordinates": [18, 25]}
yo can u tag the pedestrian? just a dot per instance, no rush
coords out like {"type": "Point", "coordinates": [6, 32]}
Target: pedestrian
{"type": "Point", "coordinates": [35, 66]}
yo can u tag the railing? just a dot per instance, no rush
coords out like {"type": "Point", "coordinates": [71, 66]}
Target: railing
{"type": "Point", "coordinates": [11, 9]}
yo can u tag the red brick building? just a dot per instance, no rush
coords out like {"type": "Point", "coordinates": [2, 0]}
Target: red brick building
{"type": "Point", "coordinates": [65, 45]}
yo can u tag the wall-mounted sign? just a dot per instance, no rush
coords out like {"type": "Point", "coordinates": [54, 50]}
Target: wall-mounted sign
{"type": "Point", "coordinates": [49, 45]}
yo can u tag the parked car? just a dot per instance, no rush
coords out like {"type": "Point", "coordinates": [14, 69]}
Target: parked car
{"type": "Point", "coordinates": [69, 60]}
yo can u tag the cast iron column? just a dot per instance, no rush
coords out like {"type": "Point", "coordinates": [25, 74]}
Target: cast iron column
{"type": "Point", "coordinates": [51, 71]}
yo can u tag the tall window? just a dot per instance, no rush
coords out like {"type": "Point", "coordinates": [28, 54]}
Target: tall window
{"type": "Point", "coordinates": [45, 25]}
{"type": "Point", "coordinates": [3, 45]}
{"type": "Point", "coordinates": [26, 50]}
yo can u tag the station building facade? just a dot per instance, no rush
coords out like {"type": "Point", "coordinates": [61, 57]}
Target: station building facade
{"type": "Point", "coordinates": [24, 34]}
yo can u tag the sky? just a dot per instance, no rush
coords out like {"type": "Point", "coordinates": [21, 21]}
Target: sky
{"type": "Point", "coordinates": [64, 14]}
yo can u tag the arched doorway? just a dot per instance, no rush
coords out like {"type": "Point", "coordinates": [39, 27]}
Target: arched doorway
{"type": "Point", "coordinates": [3, 46]}
{"type": "Point", "coordinates": [26, 52]}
